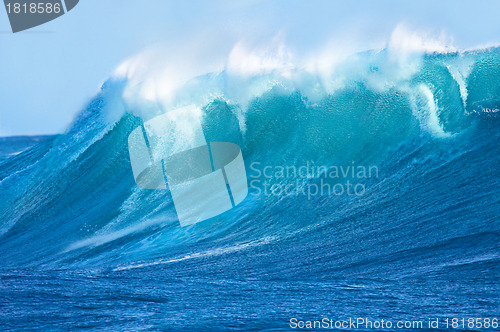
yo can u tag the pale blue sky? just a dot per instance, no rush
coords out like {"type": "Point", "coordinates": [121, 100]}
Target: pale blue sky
{"type": "Point", "coordinates": [49, 73]}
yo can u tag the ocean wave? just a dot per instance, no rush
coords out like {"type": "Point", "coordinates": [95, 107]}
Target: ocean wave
{"type": "Point", "coordinates": [424, 118]}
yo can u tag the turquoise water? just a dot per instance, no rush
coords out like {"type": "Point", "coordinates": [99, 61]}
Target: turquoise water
{"type": "Point", "coordinates": [82, 246]}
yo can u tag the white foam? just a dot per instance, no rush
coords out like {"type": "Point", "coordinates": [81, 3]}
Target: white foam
{"type": "Point", "coordinates": [208, 253]}
{"type": "Point", "coordinates": [426, 110]}
{"type": "Point", "coordinates": [246, 61]}
{"type": "Point", "coordinates": [460, 70]}
{"type": "Point", "coordinates": [99, 240]}
{"type": "Point", "coordinates": [405, 41]}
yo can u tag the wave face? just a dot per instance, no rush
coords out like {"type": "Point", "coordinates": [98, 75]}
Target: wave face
{"type": "Point", "coordinates": [425, 234]}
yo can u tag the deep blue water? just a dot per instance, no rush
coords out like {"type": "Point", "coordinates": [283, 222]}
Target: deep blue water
{"type": "Point", "coordinates": [81, 246]}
